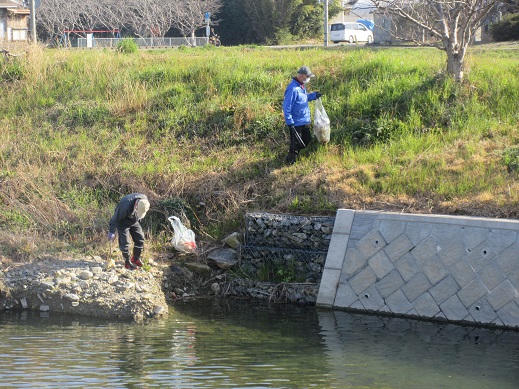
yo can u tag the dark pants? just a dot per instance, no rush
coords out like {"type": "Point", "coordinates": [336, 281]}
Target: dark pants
{"type": "Point", "coordinates": [135, 231]}
{"type": "Point", "coordinates": [306, 136]}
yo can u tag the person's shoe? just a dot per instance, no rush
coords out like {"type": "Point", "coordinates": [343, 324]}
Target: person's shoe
{"type": "Point", "coordinates": [128, 265]}
{"type": "Point", "coordinates": [136, 262]}
{"type": "Point", "coordinates": [291, 158]}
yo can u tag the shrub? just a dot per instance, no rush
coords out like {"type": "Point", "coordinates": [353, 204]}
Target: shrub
{"type": "Point", "coordinates": [12, 70]}
{"type": "Point", "coordinates": [127, 46]}
{"type": "Point", "coordinates": [511, 159]}
{"type": "Point", "coordinates": [506, 29]}
{"type": "Point", "coordinates": [157, 220]}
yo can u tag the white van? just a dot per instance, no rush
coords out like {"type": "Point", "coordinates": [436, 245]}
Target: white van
{"type": "Point", "coordinates": [350, 32]}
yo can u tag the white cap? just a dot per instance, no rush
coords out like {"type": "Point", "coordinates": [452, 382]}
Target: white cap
{"type": "Point", "coordinates": [142, 207]}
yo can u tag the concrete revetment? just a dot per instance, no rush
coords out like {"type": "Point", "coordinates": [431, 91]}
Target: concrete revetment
{"type": "Point", "coordinates": [458, 269]}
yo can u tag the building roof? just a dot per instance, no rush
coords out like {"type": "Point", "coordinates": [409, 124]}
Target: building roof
{"type": "Point", "coordinates": [8, 4]}
{"type": "Point", "coordinates": [21, 11]}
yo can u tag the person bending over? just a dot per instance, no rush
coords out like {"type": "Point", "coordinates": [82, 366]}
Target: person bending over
{"type": "Point", "coordinates": [126, 220]}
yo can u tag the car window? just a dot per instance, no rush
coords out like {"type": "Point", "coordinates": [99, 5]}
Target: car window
{"type": "Point", "coordinates": [337, 27]}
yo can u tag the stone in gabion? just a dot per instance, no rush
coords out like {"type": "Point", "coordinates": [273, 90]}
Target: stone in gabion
{"type": "Point", "coordinates": [285, 246]}
{"type": "Point", "coordinates": [263, 229]}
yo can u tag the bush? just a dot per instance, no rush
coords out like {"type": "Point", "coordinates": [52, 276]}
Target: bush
{"type": "Point", "coordinates": [127, 45]}
{"type": "Point", "coordinates": [281, 37]}
{"type": "Point", "coordinates": [157, 218]}
{"type": "Point", "coordinates": [511, 159]}
{"type": "Point", "coordinates": [506, 29]}
{"type": "Point", "coordinates": [12, 70]}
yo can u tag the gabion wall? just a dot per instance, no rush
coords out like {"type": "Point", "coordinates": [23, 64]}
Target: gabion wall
{"type": "Point", "coordinates": [287, 231]}
{"type": "Point", "coordinates": [285, 248]}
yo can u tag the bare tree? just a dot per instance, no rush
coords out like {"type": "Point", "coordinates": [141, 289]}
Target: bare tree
{"type": "Point", "coordinates": [188, 15]}
{"type": "Point", "coordinates": [452, 24]}
{"type": "Point", "coordinates": [111, 14]}
{"type": "Point", "coordinates": [57, 16]}
{"type": "Point", "coordinates": [89, 13]}
{"type": "Point", "coordinates": [139, 16]}
{"type": "Point", "coordinates": [164, 12]}
{"type": "Point", "coordinates": [145, 18]}
{"type": "Point", "coordinates": [154, 18]}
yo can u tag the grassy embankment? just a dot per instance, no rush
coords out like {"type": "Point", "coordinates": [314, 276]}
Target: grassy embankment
{"type": "Point", "coordinates": [202, 130]}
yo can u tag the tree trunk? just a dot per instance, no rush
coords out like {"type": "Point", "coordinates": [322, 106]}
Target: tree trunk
{"type": "Point", "coordinates": [455, 65]}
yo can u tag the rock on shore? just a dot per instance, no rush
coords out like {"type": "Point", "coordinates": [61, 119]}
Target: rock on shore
{"type": "Point", "coordinates": [85, 286]}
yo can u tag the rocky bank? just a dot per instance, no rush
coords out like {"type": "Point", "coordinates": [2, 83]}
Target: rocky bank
{"type": "Point", "coordinates": [90, 286]}
{"type": "Point", "coordinates": [287, 250]}
{"type": "Point", "coordinates": [83, 286]}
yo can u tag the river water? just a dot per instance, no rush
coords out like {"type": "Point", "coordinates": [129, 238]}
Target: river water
{"type": "Point", "coordinates": [237, 344]}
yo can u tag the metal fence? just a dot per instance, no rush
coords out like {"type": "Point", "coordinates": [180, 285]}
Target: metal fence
{"type": "Point", "coordinates": [145, 42]}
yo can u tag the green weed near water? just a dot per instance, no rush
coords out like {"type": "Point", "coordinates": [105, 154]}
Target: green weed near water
{"type": "Point", "coordinates": [83, 128]}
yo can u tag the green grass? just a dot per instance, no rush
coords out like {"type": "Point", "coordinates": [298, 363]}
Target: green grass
{"type": "Point", "coordinates": [82, 128]}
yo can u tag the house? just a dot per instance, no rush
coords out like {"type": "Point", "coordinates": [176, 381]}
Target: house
{"type": "Point", "coordinates": [14, 21]}
{"type": "Point", "coordinates": [351, 12]}
{"type": "Point", "coordinates": [383, 26]}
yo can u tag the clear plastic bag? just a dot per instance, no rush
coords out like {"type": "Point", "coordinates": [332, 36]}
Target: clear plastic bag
{"type": "Point", "coordinates": [183, 238]}
{"type": "Point", "coordinates": [321, 123]}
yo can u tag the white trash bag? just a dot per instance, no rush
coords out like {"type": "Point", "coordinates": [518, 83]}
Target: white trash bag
{"type": "Point", "coordinates": [183, 238]}
{"type": "Point", "coordinates": [321, 123]}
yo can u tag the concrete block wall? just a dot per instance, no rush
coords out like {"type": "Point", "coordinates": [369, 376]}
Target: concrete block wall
{"type": "Point", "coordinates": [459, 269]}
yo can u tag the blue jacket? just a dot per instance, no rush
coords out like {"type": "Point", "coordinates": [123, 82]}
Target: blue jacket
{"type": "Point", "coordinates": [295, 104]}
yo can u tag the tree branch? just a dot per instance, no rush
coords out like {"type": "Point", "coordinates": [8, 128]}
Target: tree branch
{"type": "Point", "coordinates": [7, 54]}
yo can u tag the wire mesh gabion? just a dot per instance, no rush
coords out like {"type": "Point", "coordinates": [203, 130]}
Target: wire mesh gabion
{"type": "Point", "coordinates": [287, 231]}
{"type": "Point", "coordinates": [273, 264]}
{"type": "Point", "coordinates": [285, 248]}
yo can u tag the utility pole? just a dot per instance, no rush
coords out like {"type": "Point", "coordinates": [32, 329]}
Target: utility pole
{"type": "Point", "coordinates": [325, 23]}
{"type": "Point", "coordinates": [33, 21]}
{"type": "Point", "coordinates": [207, 17]}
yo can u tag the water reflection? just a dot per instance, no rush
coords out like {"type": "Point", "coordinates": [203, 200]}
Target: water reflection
{"type": "Point", "coordinates": [376, 351]}
{"type": "Point", "coordinates": [220, 344]}
{"type": "Point", "coordinates": [261, 346]}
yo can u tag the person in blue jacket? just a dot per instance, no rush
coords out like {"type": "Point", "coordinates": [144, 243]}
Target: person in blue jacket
{"type": "Point", "coordinates": [126, 220]}
{"type": "Point", "coordinates": [297, 112]}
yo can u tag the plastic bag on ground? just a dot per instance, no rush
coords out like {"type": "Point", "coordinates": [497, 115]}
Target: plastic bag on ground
{"type": "Point", "coordinates": [321, 123]}
{"type": "Point", "coordinates": [183, 238]}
